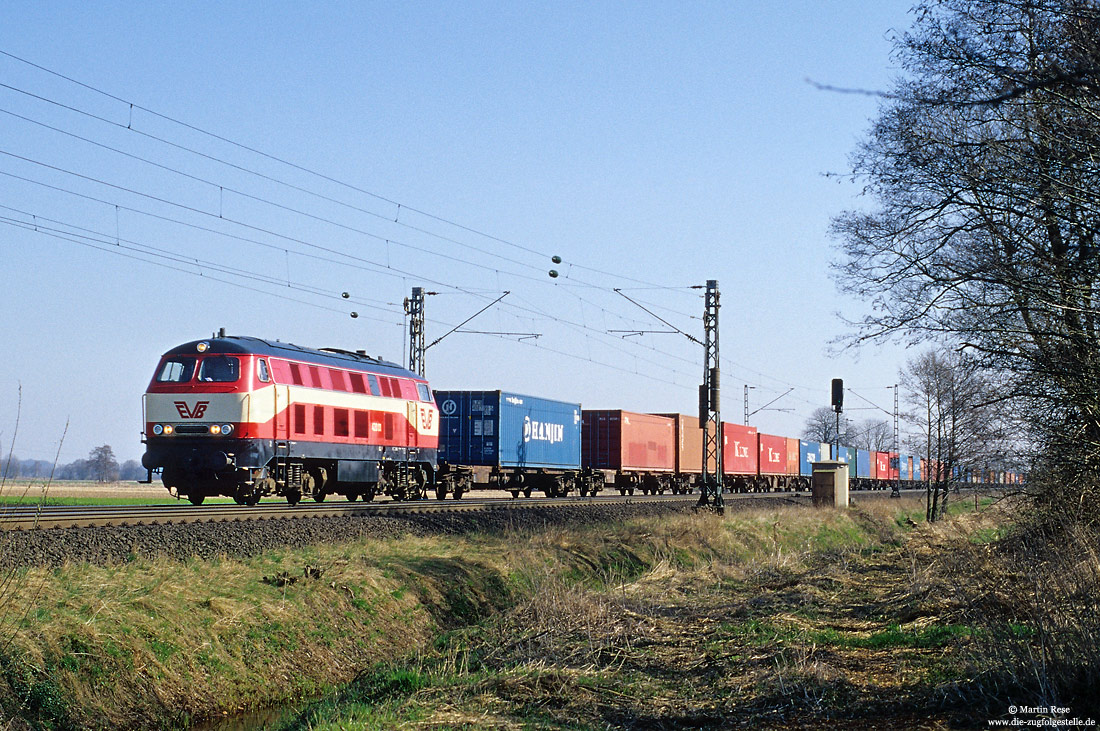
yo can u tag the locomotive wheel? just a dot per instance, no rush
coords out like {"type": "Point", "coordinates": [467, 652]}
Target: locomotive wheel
{"type": "Point", "coordinates": [584, 492]}
{"type": "Point", "coordinates": [196, 499]}
{"type": "Point", "coordinates": [515, 494]}
{"type": "Point", "coordinates": [294, 497]}
{"type": "Point", "coordinates": [368, 495]}
{"type": "Point", "coordinates": [353, 496]}
{"type": "Point", "coordinates": [527, 492]}
{"type": "Point", "coordinates": [319, 497]}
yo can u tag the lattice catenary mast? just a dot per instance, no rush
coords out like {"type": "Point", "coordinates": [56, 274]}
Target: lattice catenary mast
{"type": "Point", "coordinates": [710, 419]}
{"type": "Point", "coordinates": [414, 308]}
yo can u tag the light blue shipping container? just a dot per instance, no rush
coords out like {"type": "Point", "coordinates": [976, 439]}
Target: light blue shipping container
{"type": "Point", "coordinates": [810, 452]}
{"type": "Point", "coordinates": [508, 430]}
{"type": "Point", "coordinates": [903, 466]}
{"type": "Point", "coordinates": [848, 454]}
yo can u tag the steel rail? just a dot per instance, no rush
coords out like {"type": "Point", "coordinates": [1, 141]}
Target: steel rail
{"type": "Point", "coordinates": [32, 517]}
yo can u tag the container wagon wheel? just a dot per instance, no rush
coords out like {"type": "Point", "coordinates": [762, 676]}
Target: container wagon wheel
{"type": "Point", "coordinates": [440, 491]}
{"type": "Point", "coordinates": [527, 492]}
{"type": "Point", "coordinates": [195, 499]}
{"type": "Point", "coordinates": [515, 494]}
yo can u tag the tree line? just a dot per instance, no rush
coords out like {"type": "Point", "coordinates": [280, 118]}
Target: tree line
{"type": "Point", "coordinates": [982, 170]}
{"type": "Point", "coordinates": [100, 466]}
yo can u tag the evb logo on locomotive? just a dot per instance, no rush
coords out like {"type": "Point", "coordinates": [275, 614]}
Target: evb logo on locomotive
{"type": "Point", "coordinates": [188, 412]}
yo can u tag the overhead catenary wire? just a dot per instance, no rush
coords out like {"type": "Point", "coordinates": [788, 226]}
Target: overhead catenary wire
{"type": "Point", "coordinates": [400, 206]}
{"type": "Point", "coordinates": [221, 186]}
{"type": "Point", "coordinates": [131, 105]}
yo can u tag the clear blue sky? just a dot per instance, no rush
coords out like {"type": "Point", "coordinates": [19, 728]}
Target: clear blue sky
{"type": "Point", "coordinates": [650, 145]}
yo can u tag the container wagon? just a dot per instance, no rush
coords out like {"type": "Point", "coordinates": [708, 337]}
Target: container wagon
{"type": "Point", "coordinates": [509, 441]}
{"type": "Point", "coordinates": [629, 451]}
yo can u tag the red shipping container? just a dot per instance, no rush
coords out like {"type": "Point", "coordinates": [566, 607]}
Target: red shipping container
{"type": "Point", "coordinates": [740, 449]}
{"type": "Point", "coordinates": [689, 443]}
{"type": "Point", "coordinates": [773, 455]}
{"type": "Point", "coordinates": [623, 440]}
{"type": "Point", "coordinates": [794, 457]}
{"type": "Point", "coordinates": [882, 466]}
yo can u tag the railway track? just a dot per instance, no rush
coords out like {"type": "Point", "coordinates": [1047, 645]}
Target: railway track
{"type": "Point", "coordinates": [18, 518]}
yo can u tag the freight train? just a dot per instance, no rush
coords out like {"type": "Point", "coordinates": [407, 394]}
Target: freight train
{"type": "Point", "coordinates": [248, 418]}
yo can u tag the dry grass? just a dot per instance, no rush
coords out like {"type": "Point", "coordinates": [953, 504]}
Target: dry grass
{"type": "Point", "coordinates": [782, 618]}
{"type": "Point", "coordinates": [1034, 594]}
{"type": "Point", "coordinates": [775, 618]}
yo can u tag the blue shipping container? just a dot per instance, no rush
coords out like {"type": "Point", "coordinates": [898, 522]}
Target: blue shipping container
{"type": "Point", "coordinates": [863, 463]}
{"type": "Point", "coordinates": [501, 429]}
{"type": "Point", "coordinates": [903, 467]}
{"type": "Point", "coordinates": [848, 454]}
{"type": "Point", "coordinates": [810, 452]}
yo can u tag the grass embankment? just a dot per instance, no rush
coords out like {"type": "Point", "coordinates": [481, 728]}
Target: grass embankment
{"type": "Point", "coordinates": [775, 617]}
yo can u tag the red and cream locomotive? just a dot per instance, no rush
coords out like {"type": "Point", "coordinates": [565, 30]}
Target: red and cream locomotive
{"type": "Point", "coordinates": [248, 418]}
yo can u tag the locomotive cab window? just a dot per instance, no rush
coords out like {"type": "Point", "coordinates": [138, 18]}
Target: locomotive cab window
{"type": "Point", "coordinates": [425, 393]}
{"type": "Point", "coordinates": [219, 369]}
{"type": "Point", "coordinates": [264, 375]}
{"type": "Point", "coordinates": [176, 370]}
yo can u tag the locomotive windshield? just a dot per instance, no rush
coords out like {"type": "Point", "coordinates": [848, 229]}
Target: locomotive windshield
{"type": "Point", "coordinates": [219, 369]}
{"type": "Point", "coordinates": [176, 370]}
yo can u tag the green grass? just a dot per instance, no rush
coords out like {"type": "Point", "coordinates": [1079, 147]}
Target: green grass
{"type": "Point", "coordinates": [9, 500]}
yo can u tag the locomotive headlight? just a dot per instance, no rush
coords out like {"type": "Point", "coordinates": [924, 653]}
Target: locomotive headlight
{"type": "Point", "coordinates": [215, 429]}
{"type": "Point", "coordinates": [158, 429]}
{"type": "Point", "coordinates": [227, 428]}
{"type": "Point", "coordinates": [168, 429]}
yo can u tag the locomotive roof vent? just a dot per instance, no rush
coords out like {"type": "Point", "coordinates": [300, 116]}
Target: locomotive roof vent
{"type": "Point", "coordinates": [220, 333]}
{"type": "Point", "coordinates": [361, 352]}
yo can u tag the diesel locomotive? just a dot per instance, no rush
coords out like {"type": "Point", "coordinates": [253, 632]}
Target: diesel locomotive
{"type": "Point", "coordinates": [248, 418]}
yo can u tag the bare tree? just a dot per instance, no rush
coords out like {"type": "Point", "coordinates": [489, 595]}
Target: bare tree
{"type": "Point", "coordinates": [821, 426]}
{"type": "Point", "coordinates": [875, 435]}
{"type": "Point", "coordinates": [984, 167]}
{"type": "Point", "coordinates": [950, 405]}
